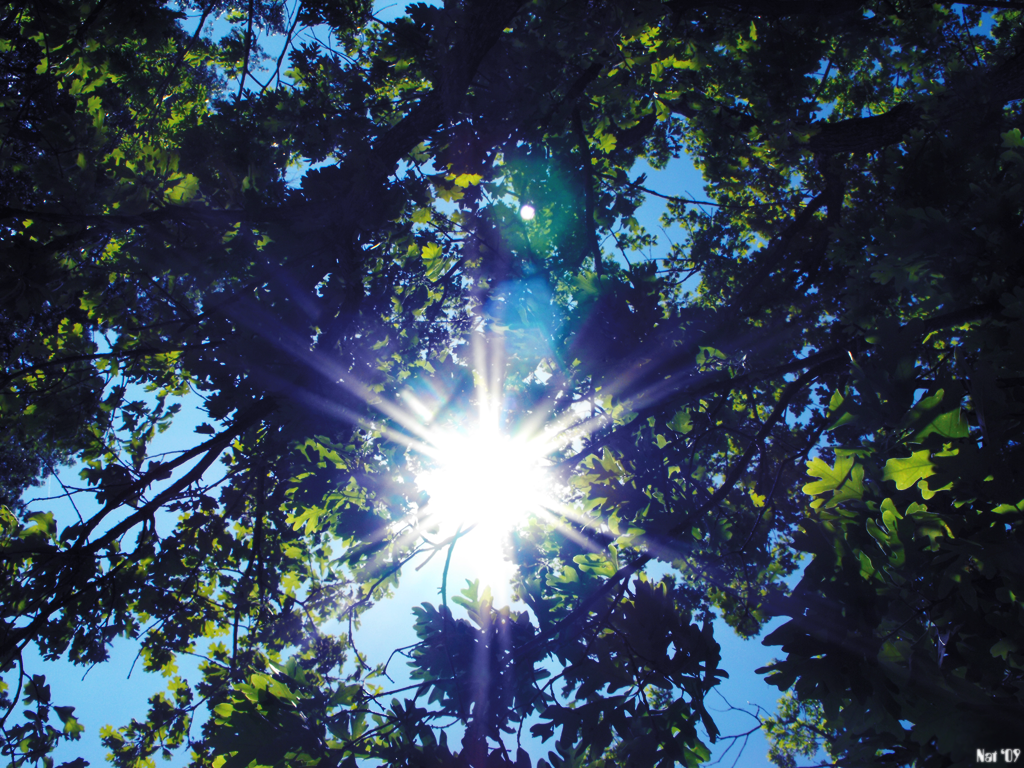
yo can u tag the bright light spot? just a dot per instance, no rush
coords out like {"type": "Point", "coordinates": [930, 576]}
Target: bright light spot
{"type": "Point", "coordinates": [486, 479]}
{"type": "Point", "coordinates": [527, 212]}
{"type": "Point", "coordinates": [486, 483]}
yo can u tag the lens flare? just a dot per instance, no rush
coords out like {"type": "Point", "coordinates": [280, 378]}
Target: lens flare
{"type": "Point", "coordinates": [527, 212]}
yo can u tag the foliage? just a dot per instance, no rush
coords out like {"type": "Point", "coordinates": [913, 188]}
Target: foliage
{"type": "Point", "coordinates": [824, 368]}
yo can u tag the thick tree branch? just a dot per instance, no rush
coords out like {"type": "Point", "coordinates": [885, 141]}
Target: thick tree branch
{"type": "Point", "coordinates": [1002, 84]}
{"type": "Point", "coordinates": [478, 36]}
{"type": "Point", "coordinates": [575, 90]}
{"type": "Point", "coordinates": [773, 255]}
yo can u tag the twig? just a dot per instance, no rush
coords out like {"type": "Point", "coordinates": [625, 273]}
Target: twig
{"type": "Point", "coordinates": [588, 191]}
{"type": "Point", "coordinates": [17, 695]}
{"type": "Point", "coordinates": [446, 614]}
{"type": "Point", "coordinates": [248, 49]}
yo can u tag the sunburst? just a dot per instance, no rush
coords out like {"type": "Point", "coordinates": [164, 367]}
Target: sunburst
{"type": "Point", "coordinates": [486, 479]}
{"type": "Point", "coordinates": [486, 469]}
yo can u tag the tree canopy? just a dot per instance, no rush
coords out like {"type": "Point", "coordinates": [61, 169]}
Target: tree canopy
{"type": "Point", "coordinates": [809, 405]}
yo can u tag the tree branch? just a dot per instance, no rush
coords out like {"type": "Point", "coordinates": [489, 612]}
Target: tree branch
{"type": "Point", "coordinates": [587, 178]}
{"type": "Point", "coordinates": [479, 37]}
{"type": "Point", "coordinates": [248, 49]}
{"type": "Point", "coordinates": [213, 445]}
{"type": "Point", "coordinates": [998, 85]}
{"type": "Point", "coordinates": [120, 355]}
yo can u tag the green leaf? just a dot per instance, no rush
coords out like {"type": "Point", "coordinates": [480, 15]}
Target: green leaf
{"type": "Point", "coordinates": [950, 425]}
{"type": "Point", "coordinates": [184, 191]}
{"type": "Point", "coordinates": [1012, 138]}
{"type": "Point", "coordinates": [890, 515]}
{"type": "Point", "coordinates": [836, 401]}
{"type": "Point", "coordinates": [41, 524]}
{"type": "Point", "coordinates": [310, 517]}
{"type": "Point", "coordinates": [433, 257]}
{"type": "Point", "coordinates": [681, 422]}
{"type": "Point", "coordinates": [431, 252]}
{"type": "Point", "coordinates": [467, 179]}
{"type": "Point", "coordinates": [851, 489]}
{"type": "Point", "coordinates": [280, 690]}
{"type": "Point", "coordinates": [830, 477]}
{"type": "Point", "coordinates": [906, 472]}
{"type": "Point", "coordinates": [1003, 648]}
{"type": "Point", "coordinates": [607, 142]}
{"type": "Point", "coordinates": [597, 565]}
{"type": "Point", "coordinates": [835, 405]}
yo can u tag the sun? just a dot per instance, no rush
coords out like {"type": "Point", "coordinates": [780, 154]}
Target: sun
{"type": "Point", "coordinates": [485, 464]}
{"type": "Point", "coordinates": [485, 479]}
